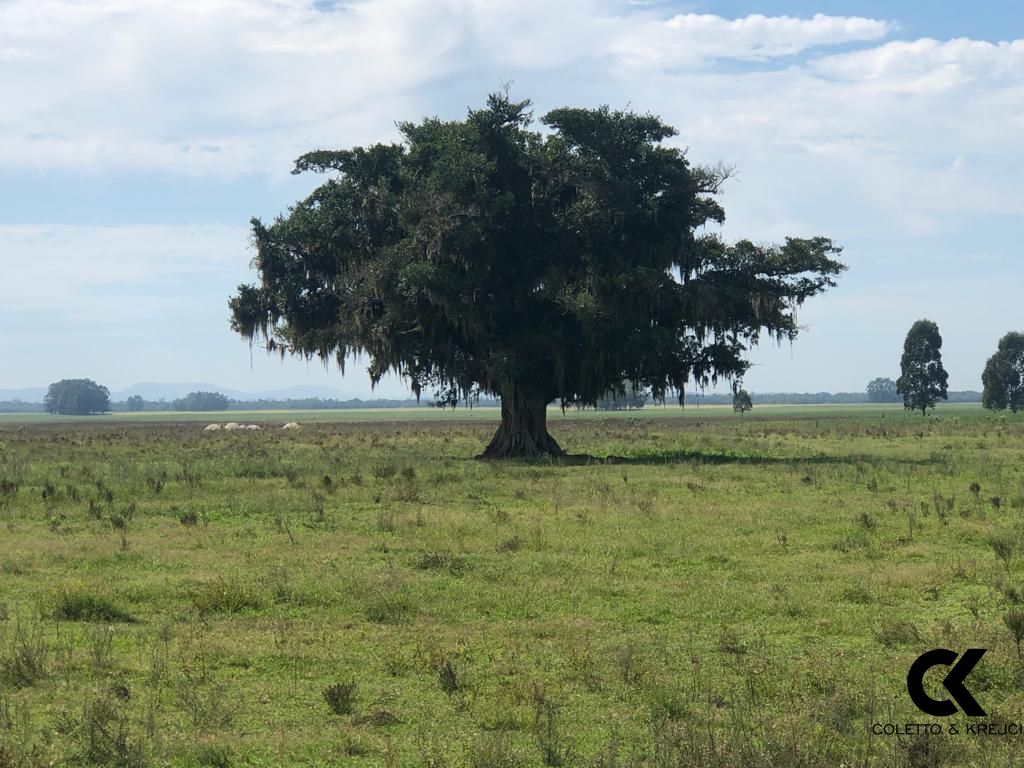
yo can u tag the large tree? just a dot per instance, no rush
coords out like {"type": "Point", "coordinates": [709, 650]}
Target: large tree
{"type": "Point", "coordinates": [481, 256]}
{"type": "Point", "coordinates": [923, 381]}
{"type": "Point", "coordinates": [1003, 377]}
{"type": "Point", "coordinates": [76, 397]}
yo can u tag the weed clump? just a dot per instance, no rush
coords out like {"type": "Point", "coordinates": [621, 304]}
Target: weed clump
{"type": "Point", "coordinates": [24, 656]}
{"type": "Point", "coordinates": [77, 605]}
{"type": "Point", "coordinates": [441, 561]}
{"type": "Point", "coordinates": [894, 633]}
{"type": "Point", "coordinates": [1014, 621]}
{"type": "Point", "coordinates": [226, 596]}
{"type": "Point", "coordinates": [341, 697]}
{"type": "Point", "coordinates": [214, 756]}
{"type": "Point", "coordinates": [448, 677]}
{"type": "Point", "coordinates": [512, 544]}
{"type": "Point", "coordinates": [105, 736]}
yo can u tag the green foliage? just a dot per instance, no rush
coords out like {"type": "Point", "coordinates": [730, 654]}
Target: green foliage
{"type": "Point", "coordinates": [106, 736]}
{"type": "Point", "coordinates": [341, 697]}
{"type": "Point", "coordinates": [882, 390]}
{"type": "Point", "coordinates": [923, 381]}
{"type": "Point", "coordinates": [201, 401]}
{"type": "Point", "coordinates": [741, 402]}
{"type": "Point", "coordinates": [627, 397]}
{"type": "Point", "coordinates": [24, 655]}
{"type": "Point", "coordinates": [226, 595]}
{"type": "Point", "coordinates": [78, 605]}
{"type": "Point", "coordinates": [1003, 377]}
{"type": "Point", "coordinates": [480, 256]}
{"type": "Point", "coordinates": [76, 397]}
{"type": "Point", "coordinates": [135, 403]}
{"type": "Point", "coordinates": [1014, 621]}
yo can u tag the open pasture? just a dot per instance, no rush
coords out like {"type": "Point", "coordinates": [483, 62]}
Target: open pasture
{"type": "Point", "coordinates": [725, 592]}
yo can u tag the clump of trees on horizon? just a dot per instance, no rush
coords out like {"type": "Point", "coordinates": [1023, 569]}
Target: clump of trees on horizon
{"type": "Point", "coordinates": [201, 401]}
{"type": "Point", "coordinates": [76, 397]}
{"type": "Point", "coordinates": [883, 390]}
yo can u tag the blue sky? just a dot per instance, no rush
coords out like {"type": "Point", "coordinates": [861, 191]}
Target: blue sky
{"type": "Point", "coordinates": [137, 138]}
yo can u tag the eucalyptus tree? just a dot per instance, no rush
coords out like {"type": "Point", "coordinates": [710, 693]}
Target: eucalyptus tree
{"type": "Point", "coordinates": [1003, 377]}
{"type": "Point", "coordinates": [923, 380]}
{"type": "Point", "coordinates": [484, 256]}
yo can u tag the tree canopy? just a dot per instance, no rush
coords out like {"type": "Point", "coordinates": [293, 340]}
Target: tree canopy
{"type": "Point", "coordinates": [741, 402]}
{"type": "Point", "coordinates": [201, 401]}
{"type": "Point", "coordinates": [76, 397]}
{"type": "Point", "coordinates": [923, 381]}
{"type": "Point", "coordinates": [1003, 377]}
{"type": "Point", "coordinates": [482, 256]}
{"type": "Point", "coordinates": [882, 390]}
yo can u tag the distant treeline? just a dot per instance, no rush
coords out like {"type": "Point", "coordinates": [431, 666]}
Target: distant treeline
{"type": "Point", "coordinates": [317, 403]}
{"type": "Point", "coordinates": [19, 406]}
{"type": "Point", "coordinates": [304, 403]}
{"type": "Point", "coordinates": [813, 398]}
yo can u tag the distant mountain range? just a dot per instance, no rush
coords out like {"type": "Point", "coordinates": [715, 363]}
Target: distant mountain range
{"type": "Point", "coordinates": [165, 391]}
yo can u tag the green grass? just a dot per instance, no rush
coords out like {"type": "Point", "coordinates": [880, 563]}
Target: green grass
{"type": "Point", "coordinates": [402, 415]}
{"type": "Point", "coordinates": [728, 591]}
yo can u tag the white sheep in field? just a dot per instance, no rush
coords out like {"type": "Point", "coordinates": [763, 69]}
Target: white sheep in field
{"type": "Point", "coordinates": [251, 426]}
{"type": "Point", "coordinates": [211, 428]}
{"type": "Point", "coordinates": [292, 425]}
{"type": "Point", "coordinates": [231, 426]}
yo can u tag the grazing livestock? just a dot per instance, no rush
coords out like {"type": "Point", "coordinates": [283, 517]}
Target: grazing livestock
{"type": "Point", "coordinates": [232, 426]}
{"type": "Point", "coordinates": [291, 425]}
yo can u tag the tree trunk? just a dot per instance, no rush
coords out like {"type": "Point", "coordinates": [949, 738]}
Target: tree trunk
{"type": "Point", "coordinates": [523, 433]}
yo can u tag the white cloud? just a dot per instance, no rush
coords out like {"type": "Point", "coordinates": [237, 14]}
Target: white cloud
{"type": "Point", "coordinates": [232, 86]}
{"type": "Point", "coordinates": [689, 39]}
{"type": "Point", "coordinates": [85, 274]}
{"type": "Point", "coordinates": [194, 86]}
{"type": "Point", "coordinates": [926, 64]}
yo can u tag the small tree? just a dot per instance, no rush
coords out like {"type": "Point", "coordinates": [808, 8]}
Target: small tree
{"type": "Point", "coordinates": [923, 381]}
{"type": "Point", "coordinates": [882, 391]}
{"type": "Point", "coordinates": [1003, 377]}
{"type": "Point", "coordinates": [741, 402]}
{"type": "Point", "coordinates": [77, 397]}
{"type": "Point", "coordinates": [135, 403]}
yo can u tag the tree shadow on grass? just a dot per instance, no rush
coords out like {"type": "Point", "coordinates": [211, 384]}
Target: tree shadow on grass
{"type": "Point", "coordinates": [713, 457]}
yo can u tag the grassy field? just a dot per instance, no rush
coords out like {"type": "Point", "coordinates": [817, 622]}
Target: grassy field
{"type": "Point", "coordinates": [459, 414]}
{"type": "Point", "coordinates": [724, 592]}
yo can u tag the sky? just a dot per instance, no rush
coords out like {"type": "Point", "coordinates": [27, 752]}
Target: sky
{"type": "Point", "coordinates": [138, 137]}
